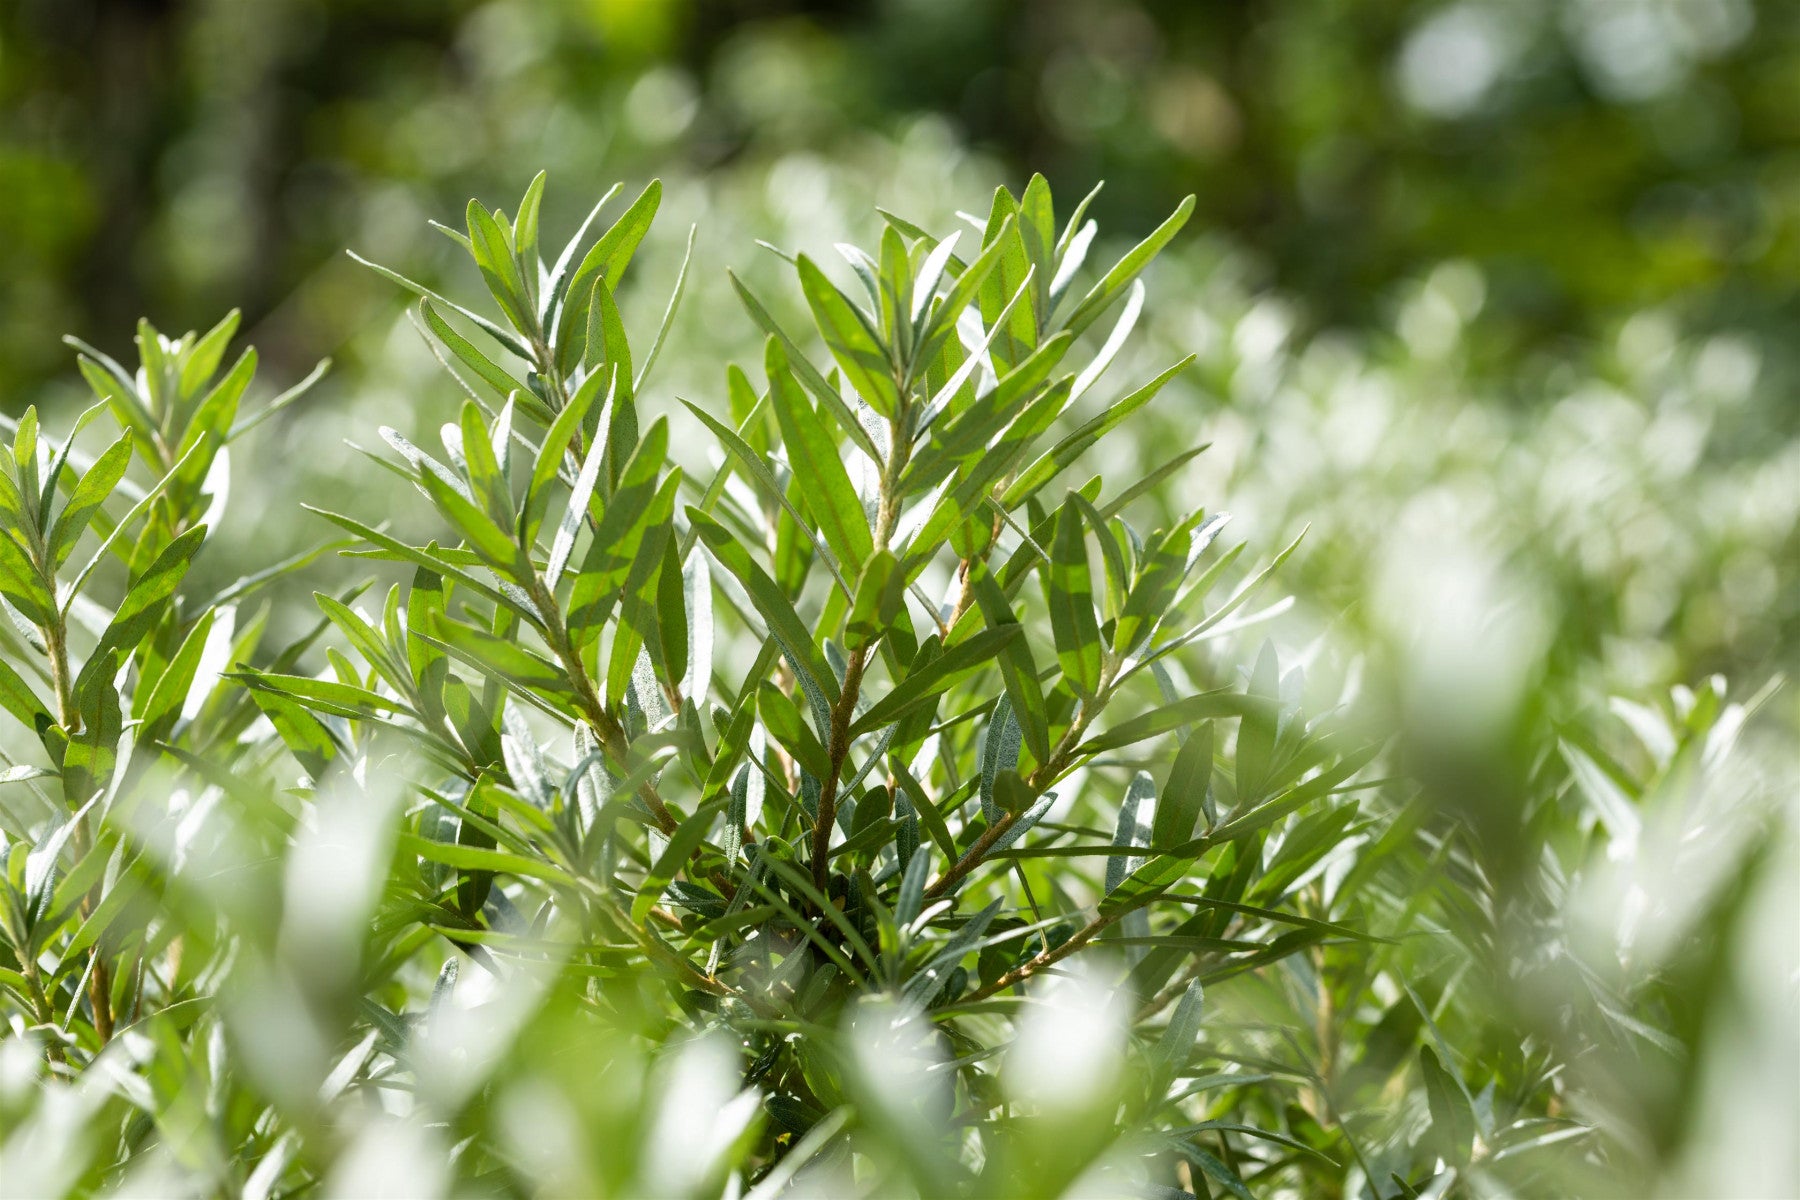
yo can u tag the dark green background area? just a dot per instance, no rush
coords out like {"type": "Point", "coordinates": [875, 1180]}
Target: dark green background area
{"type": "Point", "coordinates": [178, 157]}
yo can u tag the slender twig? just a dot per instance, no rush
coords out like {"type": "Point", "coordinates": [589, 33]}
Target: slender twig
{"type": "Point", "coordinates": [844, 711]}
{"type": "Point", "coordinates": [1047, 958]}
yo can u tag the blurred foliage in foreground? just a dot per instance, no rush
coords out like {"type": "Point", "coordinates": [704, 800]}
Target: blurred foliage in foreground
{"type": "Point", "coordinates": [689, 844]}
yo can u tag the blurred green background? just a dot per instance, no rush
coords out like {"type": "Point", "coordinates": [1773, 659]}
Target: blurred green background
{"type": "Point", "coordinates": [176, 158]}
{"type": "Point", "coordinates": [1516, 274]}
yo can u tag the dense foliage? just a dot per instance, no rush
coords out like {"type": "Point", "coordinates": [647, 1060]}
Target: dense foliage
{"type": "Point", "coordinates": [899, 808]}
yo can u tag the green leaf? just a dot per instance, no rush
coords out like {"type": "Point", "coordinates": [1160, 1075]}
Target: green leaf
{"type": "Point", "coordinates": [1130, 831]}
{"type": "Point", "coordinates": [1101, 296]}
{"type": "Point", "coordinates": [1452, 1121]}
{"type": "Point", "coordinates": [626, 532]}
{"type": "Point", "coordinates": [1184, 795]}
{"type": "Point", "coordinates": [204, 359]}
{"type": "Point", "coordinates": [93, 751]}
{"type": "Point", "coordinates": [141, 609]}
{"type": "Point", "coordinates": [306, 737]}
{"type": "Point", "coordinates": [825, 484]}
{"type": "Point", "coordinates": [321, 695]}
{"type": "Point", "coordinates": [942, 673]}
{"type": "Point", "coordinates": [880, 597]}
{"type": "Point", "coordinates": [784, 723]}
{"type": "Point", "coordinates": [606, 260]}
{"type": "Point", "coordinates": [809, 376]}
{"type": "Point", "coordinates": [525, 231]}
{"type": "Point", "coordinates": [475, 527]}
{"type": "Point", "coordinates": [975, 432]}
{"type": "Point", "coordinates": [563, 544]}
{"type": "Point", "coordinates": [1159, 578]}
{"type": "Point", "coordinates": [671, 617]}
{"type": "Point", "coordinates": [438, 563]}
{"type": "Point", "coordinates": [686, 839]}
{"type": "Point", "coordinates": [95, 486]}
{"type": "Point", "coordinates": [547, 468]}
{"type": "Point", "coordinates": [489, 485]}
{"type": "Point", "coordinates": [851, 339]}
{"type": "Point", "coordinates": [758, 472]}
{"type": "Point", "coordinates": [500, 657]}
{"type": "Point", "coordinates": [484, 367]}
{"type": "Point", "coordinates": [25, 448]}
{"type": "Point", "coordinates": [1019, 336]}
{"type": "Point", "coordinates": [1017, 665]}
{"type": "Point", "coordinates": [559, 274]}
{"type": "Point", "coordinates": [21, 583]}
{"type": "Point", "coordinates": [1295, 798]}
{"type": "Point", "coordinates": [1216, 1170]}
{"type": "Point", "coordinates": [785, 625]}
{"type": "Point", "coordinates": [931, 978]}
{"type": "Point", "coordinates": [1207, 706]}
{"type": "Point", "coordinates": [207, 432]}
{"type": "Point", "coordinates": [367, 641]}
{"type": "Point", "coordinates": [1052, 461]}
{"type": "Point", "coordinates": [972, 491]}
{"type": "Point", "coordinates": [497, 332]}
{"type": "Point", "coordinates": [164, 699]}
{"type": "Point", "coordinates": [1146, 883]}
{"type": "Point", "coordinates": [999, 752]}
{"type": "Point", "coordinates": [492, 249]}
{"type": "Point", "coordinates": [1037, 233]}
{"type": "Point", "coordinates": [18, 698]}
{"type": "Point", "coordinates": [968, 286]}
{"type": "Point", "coordinates": [1177, 1042]}
{"type": "Point", "coordinates": [1069, 593]}
{"type": "Point", "coordinates": [477, 858]}
{"type": "Point", "coordinates": [607, 346]}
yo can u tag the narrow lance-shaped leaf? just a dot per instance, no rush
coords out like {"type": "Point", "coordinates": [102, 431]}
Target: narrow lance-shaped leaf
{"type": "Point", "coordinates": [758, 473]}
{"type": "Point", "coordinates": [1052, 461]}
{"type": "Point", "coordinates": [1018, 667]}
{"type": "Point", "coordinates": [142, 607]}
{"type": "Point", "coordinates": [563, 544]}
{"type": "Point", "coordinates": [484, 367]}
{"type": "Point", "coordinates": [1221, 702]}
{"type": "Point", "coordinates": [1101, 296]}
{"type": "Point", "coordinates": [784, 723]}
{"type": "Point", "coordinates": [95, 486]}
{"type": "Point", "coordinates": [1069, 592]}
{"type": "Point", "coordinates": [493, 252]}
{"type": "Point", "coordinates": [943, 673]}
{"type": "Point", "coordinates": [851, 340]}
{"type": "Point", "coordinates": [553, 450]}
{"type": "Point", "coordinates": [1132, 831]}
{"type": "Point", "coordinates": [634, 508]}
{"type": "Point", "coordinates": [1185, 795]}
{"type": "Point", "coordinates": [672, 617]}
{"type": "Point", "coordinates": [825, 484]}
{"type": "Point", "coordinates": [809, 376]}
{"type": "Point", "coordinates": [687, 838]}
{"type": "Point", "coordinates": [880, 595]}
{"type": "Point", "coordinates": [776, 609]}
{"type": "Point", "coordinates": [1177, 1042]}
